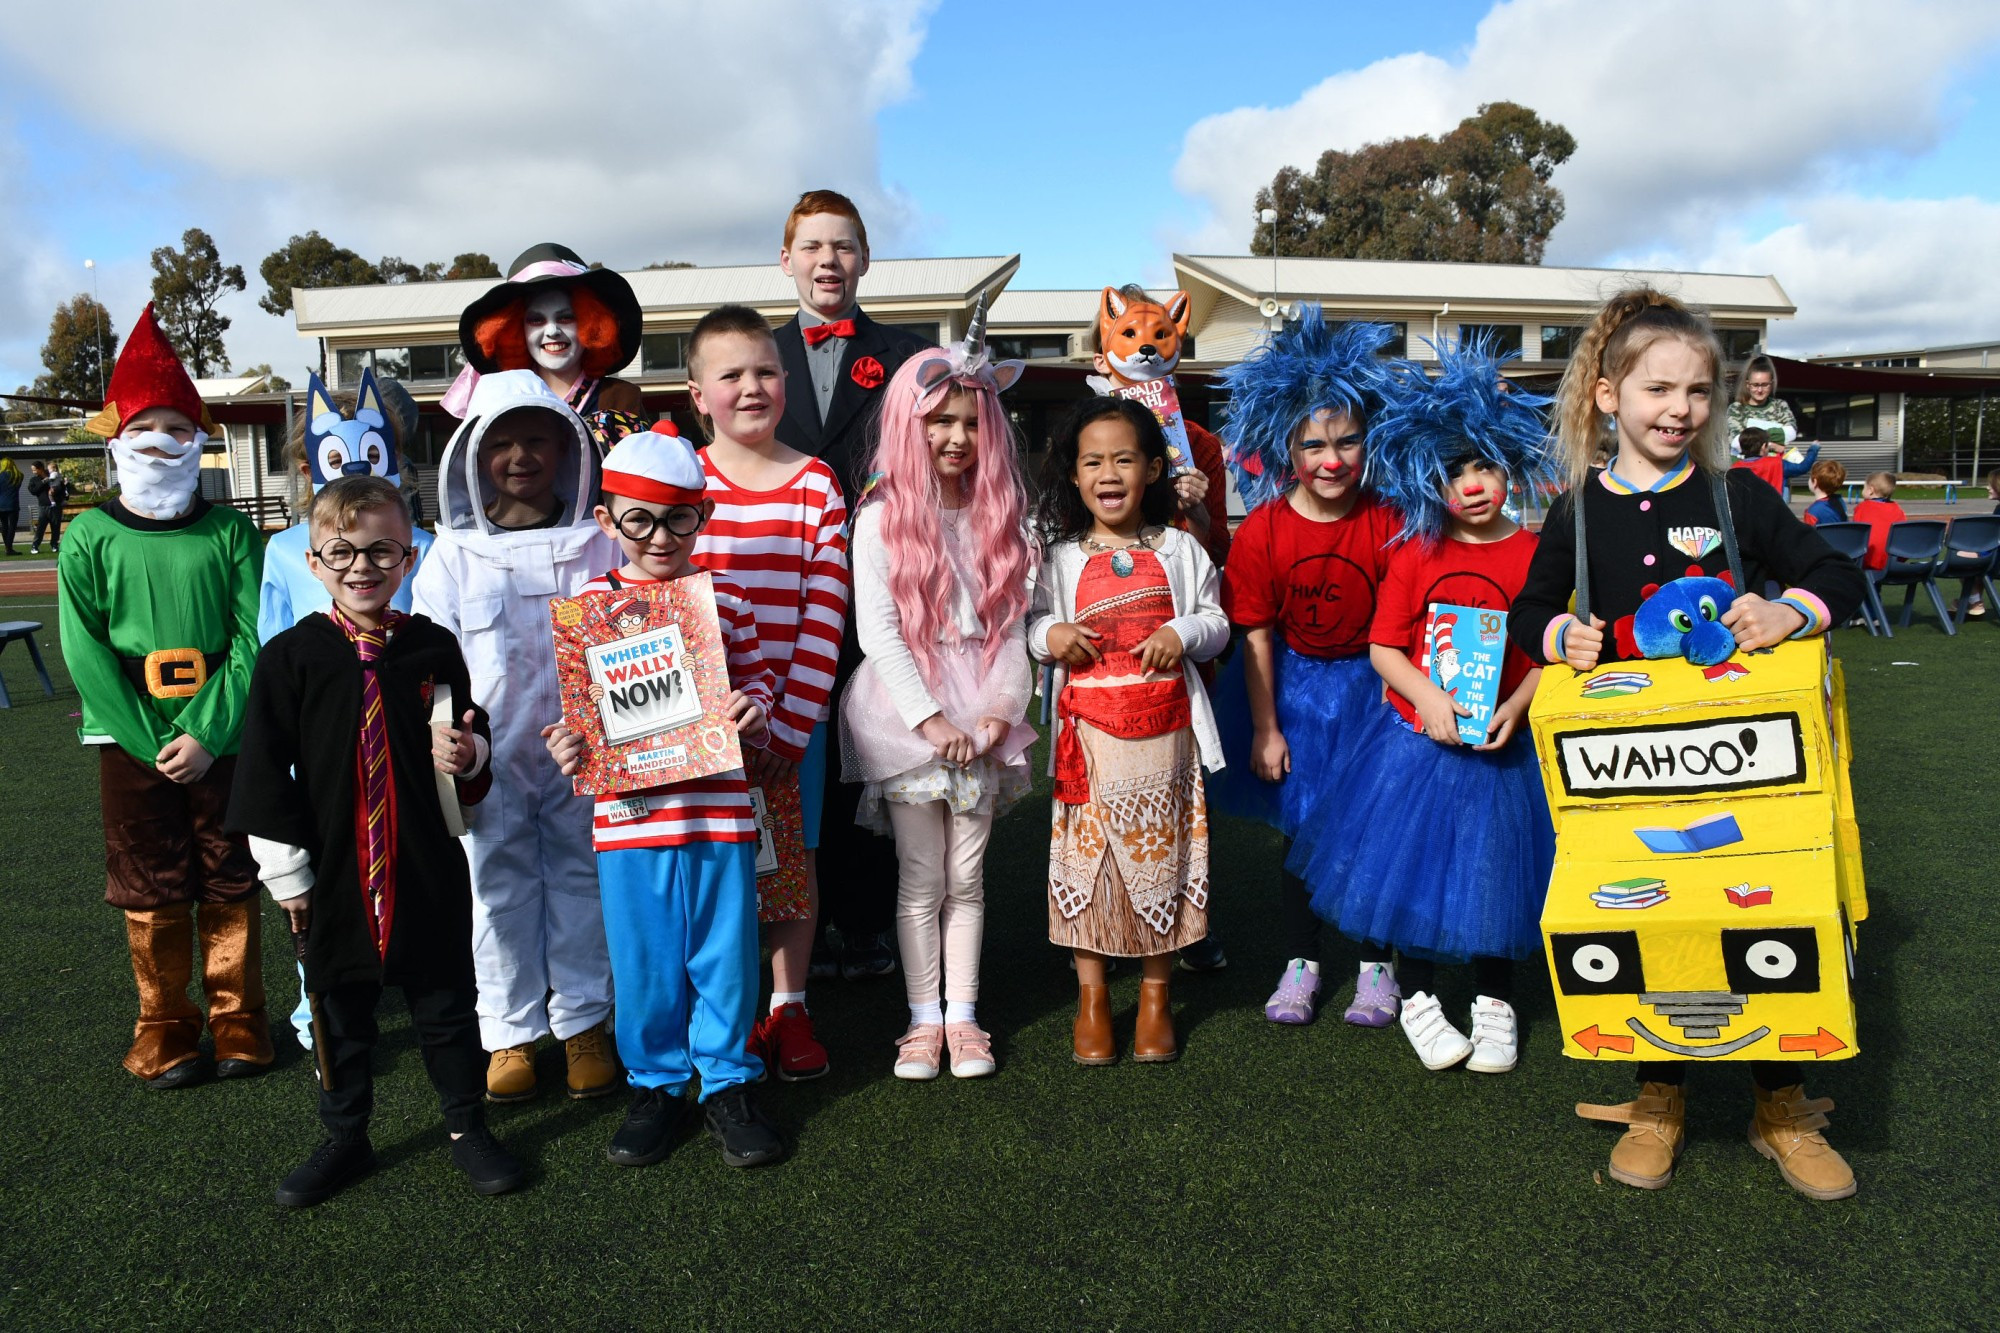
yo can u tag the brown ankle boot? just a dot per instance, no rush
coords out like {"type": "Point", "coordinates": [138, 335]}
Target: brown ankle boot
{"type": "Point", "coordinates": [1153, 1040]}
{"type": "Point", "coordinates": [591, 1069]}
{"type": "Point", "coordinates": [169, 1026]}
{"type": "Point", "coordinates": [1093, 1026]}
{"type": "Point", "coordinates": [232, 976]}
{"type": "Point", "coordinates": [1656, 1128]}
{"type": "Point", "coordinates": [1786, 1129]}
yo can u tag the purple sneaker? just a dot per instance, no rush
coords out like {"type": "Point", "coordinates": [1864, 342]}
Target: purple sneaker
{"type": "Point", "coordinates": [1297, 998]}
{"type": "Point", "coordinates": [1377, 999]}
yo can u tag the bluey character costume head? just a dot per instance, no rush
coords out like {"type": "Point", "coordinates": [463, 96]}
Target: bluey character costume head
{"type": "Point", "coordinates": [338, 445]}
{"type": "Point", "coordinates": [158, 470]}
{"type": "Point", "coordinates": [1430, 427]}
{"type": "Point", "coordinates": [1305, 369]}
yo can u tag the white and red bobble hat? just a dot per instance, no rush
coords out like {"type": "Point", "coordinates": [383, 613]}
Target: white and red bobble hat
{"type": "Point", "coordinates": [656, 466]}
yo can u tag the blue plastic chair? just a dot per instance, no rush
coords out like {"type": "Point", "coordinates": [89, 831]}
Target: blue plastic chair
{"type": "Point", "coordinates": [1971, 555]}
{"type": "Point", "coordinates": [1851, 540]}
{"type": "Point", "coordinates": [25, 631]}
{"type": "Point", "coordinates": [1916, 551]}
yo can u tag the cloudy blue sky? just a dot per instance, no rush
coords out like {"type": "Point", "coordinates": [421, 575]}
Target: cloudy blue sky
{"type": "Point", "coordinates": [1846, 146]}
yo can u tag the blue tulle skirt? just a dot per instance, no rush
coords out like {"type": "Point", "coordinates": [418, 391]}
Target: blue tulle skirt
{"type": "Point", "coordinates": [1442, 851]}
{"type": "Point", "coordinates": [1322, 703]}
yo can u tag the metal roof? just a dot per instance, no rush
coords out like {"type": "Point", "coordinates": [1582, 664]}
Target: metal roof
{"type": "Point", "coordinates": [1067, 309]}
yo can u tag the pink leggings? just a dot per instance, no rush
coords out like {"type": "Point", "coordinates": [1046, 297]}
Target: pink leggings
{"type": "Point", "coordinates": [940, 891]}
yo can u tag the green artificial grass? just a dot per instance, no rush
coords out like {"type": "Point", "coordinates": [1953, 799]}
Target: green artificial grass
{"type": "Point", "coordinates": [1273, 1178]}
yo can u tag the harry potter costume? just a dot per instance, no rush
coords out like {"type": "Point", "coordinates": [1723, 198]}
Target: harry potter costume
{"type": "Point", "coordinates": [159, 630]}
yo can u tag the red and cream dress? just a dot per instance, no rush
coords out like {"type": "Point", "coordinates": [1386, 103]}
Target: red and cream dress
{"type": "Point", "coordinates": [1128, 861]}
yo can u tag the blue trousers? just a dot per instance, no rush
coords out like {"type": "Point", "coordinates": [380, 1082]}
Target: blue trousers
{"type": "Point", "coordinates": [682, 926]}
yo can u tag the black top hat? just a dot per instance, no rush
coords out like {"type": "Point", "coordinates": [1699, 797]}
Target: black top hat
{"type": "Point", "coordinates": [549, 264]}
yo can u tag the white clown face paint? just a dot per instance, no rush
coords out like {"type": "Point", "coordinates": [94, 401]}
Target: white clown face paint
{"type": "Point", "coordinates": [550, 328]}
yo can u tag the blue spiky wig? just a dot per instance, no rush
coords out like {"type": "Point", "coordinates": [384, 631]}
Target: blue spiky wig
{"type": "Point", "coordinates": [1429, 428]}
{"type": "Point", "coordinates": [1304, 369]}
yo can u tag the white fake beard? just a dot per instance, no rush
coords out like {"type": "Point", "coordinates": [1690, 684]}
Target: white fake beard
{"type": "Point", "coordinates": [160, 487]}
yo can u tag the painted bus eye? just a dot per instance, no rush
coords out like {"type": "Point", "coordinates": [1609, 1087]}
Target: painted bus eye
{"type": "Point", "coordinates": [1595, 962]}
{"type": "Point", "coordinates": [1772, 960]}
{"type": "Point", "coordinates": [1599, 962]}
{"type": "Point", "coordinates": [1779, 960]}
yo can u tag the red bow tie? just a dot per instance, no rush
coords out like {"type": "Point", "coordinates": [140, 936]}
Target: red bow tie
{"type": "Point", "coordinates": [819, 333]}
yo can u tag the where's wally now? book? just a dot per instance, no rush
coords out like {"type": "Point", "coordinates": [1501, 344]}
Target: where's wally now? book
{"type": "Point", "coordinates": [1464, 650]}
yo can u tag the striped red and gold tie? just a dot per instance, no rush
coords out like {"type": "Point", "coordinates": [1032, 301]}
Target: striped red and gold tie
{"type": "Point", "coordinates": [375, 812]}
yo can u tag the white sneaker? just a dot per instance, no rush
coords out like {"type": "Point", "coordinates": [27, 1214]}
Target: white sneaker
{"type": "Point", "coordinates": [1495, 1049]}
{"type": "Point", "coordinates": [1437, 1043]}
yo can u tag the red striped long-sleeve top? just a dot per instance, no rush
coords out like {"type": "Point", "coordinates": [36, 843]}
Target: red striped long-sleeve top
{"type": "Point", "coordinates": [787, 549]}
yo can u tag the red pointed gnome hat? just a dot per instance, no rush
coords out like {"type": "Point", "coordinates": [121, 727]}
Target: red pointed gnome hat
{"type": "Point", "coordinates": [148, 374]}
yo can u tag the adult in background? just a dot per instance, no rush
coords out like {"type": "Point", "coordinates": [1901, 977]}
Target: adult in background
{"type": "Point", "coordinates": [1757, 404]}
{"type": "Point", "coordinates": [836, 362]}
{"type": "Point", "coordinates": [50, 490]}
{"type": "Point", "coordinates": [10, 502]}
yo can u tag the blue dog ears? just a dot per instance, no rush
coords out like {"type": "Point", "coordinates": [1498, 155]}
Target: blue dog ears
{"type": "Point", "coordinates": [341, 446]}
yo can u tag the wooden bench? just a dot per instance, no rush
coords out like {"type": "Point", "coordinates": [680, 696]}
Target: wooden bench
{"type": "Point", "coordinates": [266, 511]}
{"type": "Point", "coordinates": [25, 631]}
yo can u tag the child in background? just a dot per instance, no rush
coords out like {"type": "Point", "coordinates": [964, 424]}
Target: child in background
{"type": "Point", "coordinates": [779, 530]}
{"type": "Point", "coordinates": [1764, 455]}
{"type": "Point", "coordinates": [678, 862]}
{"type": "Point", "coordinates": [1653, 366]}
{"type": "Point", "coordinates": [1826, 481]}
{"type": "Point", "coordinates": [1879, 510]}
{"type": "Point", "coordinates": [933, 722]}
{"type": "Point", "coordinates": [1440, 849]}
{"type": "Point", "coordinates": [1301, 585]}
{"type": "Point", "coordinates": [515, 491]}
{"type": "Point", "coordinates": [334, 792]}
{"type": "Point", "coordinates": [1125, 606]}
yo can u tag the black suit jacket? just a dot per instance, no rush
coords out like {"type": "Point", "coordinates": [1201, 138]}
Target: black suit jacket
{"type": "Point", "coordinates": [843, 440]}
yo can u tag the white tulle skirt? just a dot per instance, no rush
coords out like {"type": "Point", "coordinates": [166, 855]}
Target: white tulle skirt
{"type": "Point", "coordinates": [895, 763]}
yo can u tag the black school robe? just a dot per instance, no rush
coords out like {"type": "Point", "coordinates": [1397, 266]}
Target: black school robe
{"type": "Point", "coordinates": [295, 783]}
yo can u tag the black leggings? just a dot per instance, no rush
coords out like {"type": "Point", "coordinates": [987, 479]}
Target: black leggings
{"type": "Point", "coordinates": [10, 523]}
{"type": "Point", "coordinates": [1302, 928]}
{"type": "Point", "coordinates": [1770, 1075]}
{"type": "Point", "coordinates": [1490, 976]}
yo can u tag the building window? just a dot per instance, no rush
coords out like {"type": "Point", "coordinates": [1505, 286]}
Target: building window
{"type": "Point", "coordinates": [275, 439]}
{"type": "Point", "coordinates": [1835, 416]}
{"type": "Point", "coordinates": [1559, 341]}
{"type": "Point", "coordinates": [435, 362]}
{"type": "Point", "coordinates": [1035, 347]}
{"type": "Point", "coordinates": [660, 353]}
{"type": "Point", "coordinates": [1398, 344]}
{"type": "Point", "coordinates": [1500, 339]}
{"type": "Point", "coordinates": [1739, 344]}
{"type": "Point", "coordinates": [927, 329]}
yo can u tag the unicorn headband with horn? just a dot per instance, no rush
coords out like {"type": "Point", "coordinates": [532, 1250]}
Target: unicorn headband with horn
{"type": "Point", "coordinates": [967, 360]}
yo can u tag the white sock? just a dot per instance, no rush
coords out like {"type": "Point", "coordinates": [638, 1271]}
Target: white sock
{"type": "Point", "coordinates": [926, 1015]}
{"type": "Point", "coordinates": [1388, 969]}
{"type": "Point", "coordinates": [1310, 965]}
{"type": "Point", "coordinates": [781, 998]}
{"type": "Point", "coordinates": [959, 1011]}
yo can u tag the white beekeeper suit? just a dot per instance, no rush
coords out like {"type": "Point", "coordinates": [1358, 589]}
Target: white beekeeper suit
{"type": "Point", "coordinates": [537, 926]}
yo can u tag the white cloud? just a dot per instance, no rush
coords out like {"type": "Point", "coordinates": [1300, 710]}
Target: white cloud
{"type": "Point", "coordinates": [1687, 113]}
{"type": "Point", "coordinates": [632, 130]}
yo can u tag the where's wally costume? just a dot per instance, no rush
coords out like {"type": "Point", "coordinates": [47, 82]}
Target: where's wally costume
{"type": "Point", "coordinates": [158, 596]}
{"type": "Point", "coordinates": [601, 337]}
{"type": "Point", "coordinates": [538, 929]}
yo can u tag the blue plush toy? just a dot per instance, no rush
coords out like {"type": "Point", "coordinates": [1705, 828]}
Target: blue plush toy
{"type": "Point", "coordinates": [1684, 619]}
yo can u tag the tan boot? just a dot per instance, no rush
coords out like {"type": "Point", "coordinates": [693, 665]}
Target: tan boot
{"type": "Point", "coordinates": [1786, 1129]}
{"type": "Point", "coordinates": [168, 1032]}
{"type": "Point", "coordinates": [232, 975]}
{"type": "Point", "coordinates": [1153, 1040]}
{"type": "Point", "coordinates": [1093, 1026]}
{"type": "Point", "coordinates": [1656, 1124]}
{"type": "Point", "coordinates": [593, 1071]}
{"type": "Point", "coordinates": [510, 1074]}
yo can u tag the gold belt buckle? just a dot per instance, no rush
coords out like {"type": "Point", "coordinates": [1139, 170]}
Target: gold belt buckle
{"type": "Point", "coordinates": [175, 673]}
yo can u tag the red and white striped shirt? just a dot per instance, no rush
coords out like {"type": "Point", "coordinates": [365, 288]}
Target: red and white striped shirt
{"type": "Point", "coordinates": [788, 549]}
{"type": "Point", "coordinates": [711, 809]}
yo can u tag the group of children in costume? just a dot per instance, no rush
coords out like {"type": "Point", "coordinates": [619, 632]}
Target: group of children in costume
{"type": "Point", "coordinates": [1376, 491]}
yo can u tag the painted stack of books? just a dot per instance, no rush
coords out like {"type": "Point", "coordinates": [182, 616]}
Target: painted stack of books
{"type": "Point", "coordinates": [1630, 894]}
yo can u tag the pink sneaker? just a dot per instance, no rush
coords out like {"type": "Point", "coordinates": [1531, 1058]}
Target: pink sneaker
{"type": "Point", "coordinates": [918, 1052]}
{"type": "Point", "coordinates": [971, 1050]}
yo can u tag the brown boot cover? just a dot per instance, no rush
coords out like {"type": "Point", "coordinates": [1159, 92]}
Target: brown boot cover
{"type": "Point", "coordinates": [1093, 1026]}
{"type": "Point", "coordinates": [1153, 1040]}
{"type": "Point", "coordinates": [169, 1026]}
{"type": "Point", "coordinates": [232, 975]}
{"type": "Point", "coordinates": [1656, 1124]}
{"type": "Point", "coordinates": [1786, 1129]}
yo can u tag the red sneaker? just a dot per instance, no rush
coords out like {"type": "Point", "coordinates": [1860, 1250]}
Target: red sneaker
{"type": "Point", "coordinates": [759, 1045]}
{"type": "Point", "coordinates": [788, 1034]}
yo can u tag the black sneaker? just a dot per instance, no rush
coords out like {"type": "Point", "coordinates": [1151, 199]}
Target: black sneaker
{"type": "Point", "coordinates": [1204, 955]}
{"type": "Point", "coordinates": [647, 1135]}
{"type": "Point", "coordinates": [183, 1075]}
{"type": "Point", "coordinates": [867, 956]}
{"type": "Point", "coordinates": [825, 964]}
{"type": "Point", "coordinates": [333, 1166]}
{"type": "Point", "coordinates": [490, 1167]}
{"type": "Point", "coordinates": [740, 1129]}
{"type": "Point", "coordinates": [242, 1069]}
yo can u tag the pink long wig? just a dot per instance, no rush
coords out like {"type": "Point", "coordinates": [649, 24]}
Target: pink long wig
{"type": "Point", "coordinates": [920, 579]}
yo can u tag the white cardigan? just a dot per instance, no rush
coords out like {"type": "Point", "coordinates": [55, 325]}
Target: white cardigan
{"type": "Point", "coordinates": [1198, 619]}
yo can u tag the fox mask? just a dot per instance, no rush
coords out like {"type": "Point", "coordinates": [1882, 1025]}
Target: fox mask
{"type": "Point", "coordinates": [1141, 340]}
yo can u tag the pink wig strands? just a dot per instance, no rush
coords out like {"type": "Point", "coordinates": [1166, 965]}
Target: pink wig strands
{"type": "Point", "coordinates": [908, 491]}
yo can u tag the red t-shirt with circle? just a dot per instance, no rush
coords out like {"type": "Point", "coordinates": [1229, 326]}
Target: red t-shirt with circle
{"type": "Point", "coordinates": [1483, 574]}
{"type": "Point", "coordinates": [1315, 582]}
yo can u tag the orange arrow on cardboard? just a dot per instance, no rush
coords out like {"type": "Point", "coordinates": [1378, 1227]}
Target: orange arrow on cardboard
{"type": "Point", "coordinates": [1594, 1041]}
{"type": "Point", "coordinates": [1819, 1043]}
